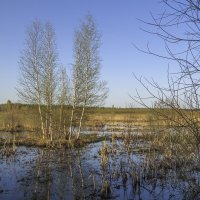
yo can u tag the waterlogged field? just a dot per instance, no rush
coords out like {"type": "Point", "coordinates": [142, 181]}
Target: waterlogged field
{"type": "Point", "coordinates": [114, 169]}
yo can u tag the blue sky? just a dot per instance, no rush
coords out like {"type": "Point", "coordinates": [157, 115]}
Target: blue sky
{"type": "Point", "coordinates": [120, 28]}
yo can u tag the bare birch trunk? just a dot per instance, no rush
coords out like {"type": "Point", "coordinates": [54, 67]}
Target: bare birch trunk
{"type": "Point", "coordinates": [71, 122]}
{"type": "Point", "coordinates": [41, 120]}
{"type": "Point", "coordinates": [50, 125]}
{"type": "Point", "coordinates": [80, 123]}
{"type": "Point", "coordinates": [61, 118]}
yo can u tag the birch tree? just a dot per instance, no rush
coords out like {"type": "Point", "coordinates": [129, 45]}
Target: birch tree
{"type": "Point", "coordinates": [30, 86]}
{"type": "Point", "coordinates": [89, 90]}
{"type": "Point", "coordinates": [77, 77]}
{"type": "Point", "coordinates": [38, 63]}
{"type": "Point", "coordinates": [49, 73]}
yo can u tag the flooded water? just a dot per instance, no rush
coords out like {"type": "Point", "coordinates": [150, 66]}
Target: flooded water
{"type": "Point", "coordinates": [103, 170]}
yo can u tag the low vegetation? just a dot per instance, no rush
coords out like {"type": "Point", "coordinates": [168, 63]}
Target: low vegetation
{"type": "Point", "coordinates": [162, 152]}
{"type": "Point", "coordinates": [25, 117]}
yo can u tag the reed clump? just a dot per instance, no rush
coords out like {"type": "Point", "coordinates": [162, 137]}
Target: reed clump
{"type": "Point", "coordinates": [104, 153]}
{"type": "Point", "coordinates": [8, 150]}
{"type": "Point", "coordinates": [105, 192]}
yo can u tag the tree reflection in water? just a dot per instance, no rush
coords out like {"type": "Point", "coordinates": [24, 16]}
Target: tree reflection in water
{"type": "Point", "coordinates": [97, 171]}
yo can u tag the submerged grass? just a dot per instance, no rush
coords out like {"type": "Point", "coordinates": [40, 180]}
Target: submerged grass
{"type": "Point", "coordinates": [37, 141]}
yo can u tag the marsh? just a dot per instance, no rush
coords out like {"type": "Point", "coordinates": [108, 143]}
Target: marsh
{"type": "Point", "coordinates": [108, 169]}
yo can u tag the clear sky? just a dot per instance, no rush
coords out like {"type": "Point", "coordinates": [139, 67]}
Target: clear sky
{"type": "Point", "coordinates": [120, 28]}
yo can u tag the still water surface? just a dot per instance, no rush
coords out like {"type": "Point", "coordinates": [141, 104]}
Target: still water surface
{"type": "Point", "coordinates": [90, 173]}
